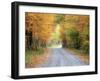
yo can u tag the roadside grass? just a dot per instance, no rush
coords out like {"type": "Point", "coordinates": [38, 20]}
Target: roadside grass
{"type": "Point", "coordinates": [29, 53]}
{"type": "Point", "coordinates": [80, 53]}
{"type": "Point", "coordinates": [34, 52]}
{"type": "Point", "coordinates": [34, 58]}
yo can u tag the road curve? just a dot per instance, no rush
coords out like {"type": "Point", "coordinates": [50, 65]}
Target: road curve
{"type": "Point", "coordinates": [61, 57]}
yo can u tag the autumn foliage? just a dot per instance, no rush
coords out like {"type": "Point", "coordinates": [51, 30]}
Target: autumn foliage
{"type": "Point", "coordinates": [73, 30]}
{"type": "Point", "coordinates": [38, 29]}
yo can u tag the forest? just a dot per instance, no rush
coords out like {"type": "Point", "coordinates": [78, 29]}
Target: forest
{"type": "Point", "coordinates": [47, 30]}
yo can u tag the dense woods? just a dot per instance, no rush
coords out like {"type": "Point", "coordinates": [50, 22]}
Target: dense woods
{"type": "Point", "coordinates": [70, 30]}
{"type": "Point", "coordinates": [38, 29]}
{"type": "Point", "coordinates": [75, 31]}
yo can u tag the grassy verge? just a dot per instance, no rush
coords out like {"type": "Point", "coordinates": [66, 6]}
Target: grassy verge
{"type": "Point", "coordinates": [34, 58]}
{"type": "Point", "coordinates": [29, 53]}
{"type": "Point", "coordinates": [79, 53]}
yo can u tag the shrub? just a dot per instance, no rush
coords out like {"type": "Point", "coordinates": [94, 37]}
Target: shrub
{"type": "Point", "coordinates": [73, 38]}
{"type": "Point", "coordinates": [85, 46]}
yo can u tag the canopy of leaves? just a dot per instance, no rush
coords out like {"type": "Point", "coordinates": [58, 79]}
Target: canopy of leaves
{"type": "Point", "coordinates": [75, 31]}
{"type": "Point", "coordinates": [41, 26]}
{"type": "Point", "coordinates": [72, 30]}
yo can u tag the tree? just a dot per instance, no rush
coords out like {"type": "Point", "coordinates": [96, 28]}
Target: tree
{"type": "Point", "coordinates": [41, 26]}
{"type": "Point", "coordinates": [75, 31]}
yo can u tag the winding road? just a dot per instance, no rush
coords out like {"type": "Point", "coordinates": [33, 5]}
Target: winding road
{"type": "Point", "coordinates": [61, 57]}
